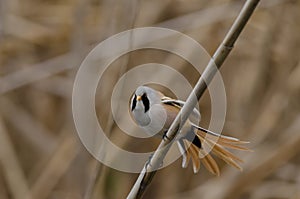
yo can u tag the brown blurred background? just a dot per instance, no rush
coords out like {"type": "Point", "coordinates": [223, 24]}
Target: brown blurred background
{"type": "Point", "coordinates": [42, 44]}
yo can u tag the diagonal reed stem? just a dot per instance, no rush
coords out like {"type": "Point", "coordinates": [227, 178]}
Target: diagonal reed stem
{"type": "Point", "coordinates": [215, 63]}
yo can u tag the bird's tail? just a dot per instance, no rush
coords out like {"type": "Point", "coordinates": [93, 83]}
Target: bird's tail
{"type": "Point", "coordinates": [203, 143]}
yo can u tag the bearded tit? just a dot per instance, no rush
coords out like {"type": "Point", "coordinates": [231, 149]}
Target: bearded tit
{"type": "Point", "coordinates": [154, 113]}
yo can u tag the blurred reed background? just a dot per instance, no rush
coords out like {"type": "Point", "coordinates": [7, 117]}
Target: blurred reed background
{"type": "Point", "coordinates": [42, 44]}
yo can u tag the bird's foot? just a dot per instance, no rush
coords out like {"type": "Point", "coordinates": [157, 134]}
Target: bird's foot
{"type": "Point", "coordinates": [165, 137]}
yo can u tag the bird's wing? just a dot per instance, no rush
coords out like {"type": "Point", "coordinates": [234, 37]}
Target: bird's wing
{"type": "Point", "coordinates": [195, 116]}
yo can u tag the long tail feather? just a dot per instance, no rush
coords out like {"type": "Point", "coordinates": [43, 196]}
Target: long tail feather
{"type": "Point", "coordinates": [214, 142]}
{"type": "Point", "coordinates": [225, 155]}
{"type": "Point", "coordinates": [210, 164]}
{"type": "Point", "coordinates": [228, 138]}
{"type": "Point", "coordinates": [232, 146]}
{"type": "Point", "coordinates": [195, 158]}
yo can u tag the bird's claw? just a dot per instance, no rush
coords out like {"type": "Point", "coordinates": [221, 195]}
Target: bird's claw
{"type": "Point", "coordinates": [165, 137]}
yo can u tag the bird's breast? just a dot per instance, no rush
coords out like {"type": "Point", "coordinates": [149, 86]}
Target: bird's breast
{"type": "Point", "coordinates": [153, 121]}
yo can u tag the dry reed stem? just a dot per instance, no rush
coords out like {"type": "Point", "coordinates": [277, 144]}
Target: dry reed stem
{"type": "Point", "coordinates": [132, 8]}
{"type": "Point", "coordinates": [200, 22]}
{"type": "Point", "coordinates": [11, 166]}
{"type": "Point", "coordinates": [61, 63]}
{"type": "Point", "coordinates": [56, 167]}
{"type": "Point", "coordinates": [264, 166]}
{"type": "Point", "coordinates": [31, 129]}
{"type": "Point", "coordinates": [219, 57]}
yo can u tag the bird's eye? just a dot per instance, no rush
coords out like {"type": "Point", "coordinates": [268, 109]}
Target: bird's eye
{"type": "Point", "coordinates": [146, 102]}
{"type": "Point", "coordinates": [133, 104]}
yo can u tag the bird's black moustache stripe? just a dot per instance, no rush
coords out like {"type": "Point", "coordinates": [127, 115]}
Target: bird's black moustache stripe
{"type": "Point", "coordinates": [133, 102]}
{"type": "Point", "coordinates": [146, 102]}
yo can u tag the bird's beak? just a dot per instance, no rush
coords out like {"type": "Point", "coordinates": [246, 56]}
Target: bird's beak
{"type": "Point", "coordinates": [139, 98]}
